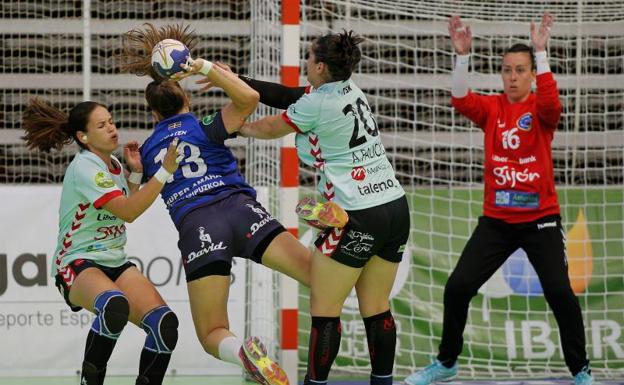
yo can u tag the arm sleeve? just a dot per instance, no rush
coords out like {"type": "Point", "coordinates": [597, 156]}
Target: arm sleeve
{"type": "Point", "coordinates": [214, 128]}
{"type": "Point", "coordinates": [460, 77]}
{"type": "Point", "coordinates": [274, 94]}
{"type": "Point", "coordinates": [474, 107]}
{"type": "Point", "coordinates": [95, 183]}
{"type": "Point", "coordinates": [303, 115]}
{"type": "Point", "coordinates": [547, 101]}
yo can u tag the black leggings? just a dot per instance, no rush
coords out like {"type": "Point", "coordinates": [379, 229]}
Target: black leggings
{"type": "Point", "coordinates": [488, 248]}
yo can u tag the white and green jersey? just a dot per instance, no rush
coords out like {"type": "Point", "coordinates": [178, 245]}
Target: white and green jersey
{"type": "Point", "coordinates": [86, 231]}
{"type": "Point", "coordinates": [338, 135]}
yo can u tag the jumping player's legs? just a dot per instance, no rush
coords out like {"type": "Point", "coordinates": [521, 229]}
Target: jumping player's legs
{"type": "Point", "coordinates": [208, 297]}
{"type": "Point", "coordinates": [150, 312]}
{"type": "Point", "coordinates": [288, 256]}
{"type": "Point", "coordinates": [545, 248]}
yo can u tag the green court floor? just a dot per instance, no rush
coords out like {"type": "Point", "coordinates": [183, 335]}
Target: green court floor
{"type": "Point", "coordinates": [115, 380]}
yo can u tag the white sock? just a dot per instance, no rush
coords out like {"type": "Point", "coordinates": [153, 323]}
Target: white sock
{"type": "Point", "coordinates": [228, 350]}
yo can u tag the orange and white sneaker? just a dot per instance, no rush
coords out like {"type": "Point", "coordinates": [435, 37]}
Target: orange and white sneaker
{"type": "Point", "coordinates": [259, 366]}
{"type": "Point", "coordinates": [322, 214]}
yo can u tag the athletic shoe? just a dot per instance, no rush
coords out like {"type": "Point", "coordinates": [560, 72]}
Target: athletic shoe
{"type": "Point", "coordinates": [322, 215]}
{"type": "Point", "coordinates": [584, 377]}
{"type": "Point", "coordinates": [436, 372]}
{"type": "Point", "coordinates": [259, 366]}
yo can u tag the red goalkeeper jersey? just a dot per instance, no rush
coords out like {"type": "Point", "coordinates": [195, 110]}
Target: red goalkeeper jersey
{"type": "Point", "coordinates": [519, 182]}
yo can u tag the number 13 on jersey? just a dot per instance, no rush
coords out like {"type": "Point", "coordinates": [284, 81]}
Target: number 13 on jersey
{"type": "Point", "coordinates": [193, 166]}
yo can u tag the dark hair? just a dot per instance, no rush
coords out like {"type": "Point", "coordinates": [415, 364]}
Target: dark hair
{"type": "Point", "coordinates": [340, 52]}
{"type": "Point", "coordinates": [165, 97]}
{"type": "Point", "coordinates": [49, 128]}
{"type": "Point", "coordinates": [137, 45]}
{"type": "Point", "coordinates": [520, 47]}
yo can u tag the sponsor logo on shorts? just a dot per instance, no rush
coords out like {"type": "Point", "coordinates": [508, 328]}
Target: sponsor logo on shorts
{"type": "Point", "coordinates": [207, 246]}
{"type": "Point", "coordinates": [264, 216]}
{"type": "Point", "coordinates": [357, 243]}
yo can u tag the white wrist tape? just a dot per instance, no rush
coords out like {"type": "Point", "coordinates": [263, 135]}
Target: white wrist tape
{"type": "Point", "coordinates": [459, 78]}
{"type": "Point", "coordinates": [135, 177]}
{"type": "Point", "coordinates": [162, 175]}
{"type": "Point", "coordinates": [206, 67]}
{"type": "Point", "coordinates": [541, 60]}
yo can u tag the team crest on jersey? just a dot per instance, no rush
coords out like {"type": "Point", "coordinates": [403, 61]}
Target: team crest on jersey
{"type": "Point", "coordinates": [524, 122]}
{"type": "Point", "coordinates": [103, 180]}
{"type": "Point", "coordinates": [206, 120]}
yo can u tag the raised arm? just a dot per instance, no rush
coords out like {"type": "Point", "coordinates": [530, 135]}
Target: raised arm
{"type": "Point", "coordinates": [273, 94]}
{"type": "Point", "coordinates": [464, 101]}
{"type": "Point", "coordinates": [244, 98]}
{"type": "Point", "coordinates": [129, 208]}
{"type": "Point", "coordinates": [548, 104]}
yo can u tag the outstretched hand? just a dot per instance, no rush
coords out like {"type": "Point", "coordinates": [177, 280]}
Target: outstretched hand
{"type": "Point", "coordinates": [540, 36]}
{"type": "Point", "coordinates": [460, 34]}
{"type": "Point", "coordinates": [206, 82]}
{"type": "Point", "coordinates": [173, 157]}
{"type": "Point", "coordinates": [133, 156]}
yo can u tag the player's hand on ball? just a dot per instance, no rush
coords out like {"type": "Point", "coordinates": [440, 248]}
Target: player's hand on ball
{"type": "Point", "coordinates": [173, 157]}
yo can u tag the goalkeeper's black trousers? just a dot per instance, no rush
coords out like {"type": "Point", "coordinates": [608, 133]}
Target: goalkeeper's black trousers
{"type": "Point", "coordinates": [492, 242]}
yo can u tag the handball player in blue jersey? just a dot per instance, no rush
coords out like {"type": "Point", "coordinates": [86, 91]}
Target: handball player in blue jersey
{"type": "Point", "coordinates": [337, 135]}
{"type": "Point", "coordinates": [211, 205]}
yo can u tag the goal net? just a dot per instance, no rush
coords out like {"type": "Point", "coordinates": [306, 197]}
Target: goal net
{"type": "Point", "coordinates": [405, 72]}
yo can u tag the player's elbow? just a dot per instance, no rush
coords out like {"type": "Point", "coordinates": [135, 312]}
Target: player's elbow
{"type": "Point", "coordinates": [252, 98]}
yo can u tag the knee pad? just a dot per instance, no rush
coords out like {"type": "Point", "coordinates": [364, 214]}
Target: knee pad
{"type": "Point", "coordinates": [111, 309]}
{"type": "Point", "coordinates": [161, 326]}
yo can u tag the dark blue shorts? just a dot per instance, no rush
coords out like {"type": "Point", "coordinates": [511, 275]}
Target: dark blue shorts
{"type": "Point", "coordinates": [236, 226]}
{"type": "Point", "coordinates": [382, 230]}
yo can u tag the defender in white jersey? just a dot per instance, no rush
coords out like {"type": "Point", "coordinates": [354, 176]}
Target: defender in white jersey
{"type": "Point", "coordinates": [338, 135]}
{"type": "Point", "coordinates": [90, 265]}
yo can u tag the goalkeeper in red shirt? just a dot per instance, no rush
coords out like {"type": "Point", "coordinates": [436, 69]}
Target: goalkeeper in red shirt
{"type": "Point", "coordinates": [520, 207]}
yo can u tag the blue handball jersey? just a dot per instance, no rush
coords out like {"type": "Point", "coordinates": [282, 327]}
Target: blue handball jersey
{"type": "Point", "coordinates": [208, 171]}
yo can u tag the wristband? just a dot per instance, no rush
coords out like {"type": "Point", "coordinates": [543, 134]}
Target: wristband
{"type": "Point", "coordinates": [162, 175]}
{"type": "Point", "coordinates": [206, 67]}
{"type": "Point", "coordinates": [541, 61]}
{"type": "Point", "coordinates": [135, 177]}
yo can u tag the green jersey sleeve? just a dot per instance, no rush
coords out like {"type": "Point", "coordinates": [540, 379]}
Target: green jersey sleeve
{"type": "Point", "coordinates": [95, 183]}
{"type": "Point", "coordinates": [303, 115]}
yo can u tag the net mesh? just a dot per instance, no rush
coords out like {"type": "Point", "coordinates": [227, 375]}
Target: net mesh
{"type": "Point", "coordinates": [405, 72]}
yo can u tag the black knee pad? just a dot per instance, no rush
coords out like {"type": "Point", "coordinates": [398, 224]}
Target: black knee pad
{"type": "Point", "coordinates": [161, 326]}
{"type": "Point", "coordinates": [112, 310]}
{"type": "Point", "coordinates": [169, 330]}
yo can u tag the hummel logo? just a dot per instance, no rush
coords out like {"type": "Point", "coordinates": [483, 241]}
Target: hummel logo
{"type": "Point", "coordinates": [547, 224]}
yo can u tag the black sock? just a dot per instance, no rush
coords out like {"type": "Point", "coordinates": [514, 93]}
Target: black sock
{"type": "Point", "coordinates": [152, 367]}
{"type": "Point", "coordinates": [447, 363]}
{"type": "Point", "coordinates": [381, 336]}
{"type": "Point", "coordinates": [324, 345]}
{"type": "Point", "coordinates": [98, 350]}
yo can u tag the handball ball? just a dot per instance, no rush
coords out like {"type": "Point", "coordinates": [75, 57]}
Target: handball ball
{"type": "Point", "coordinates": [167, 56]}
